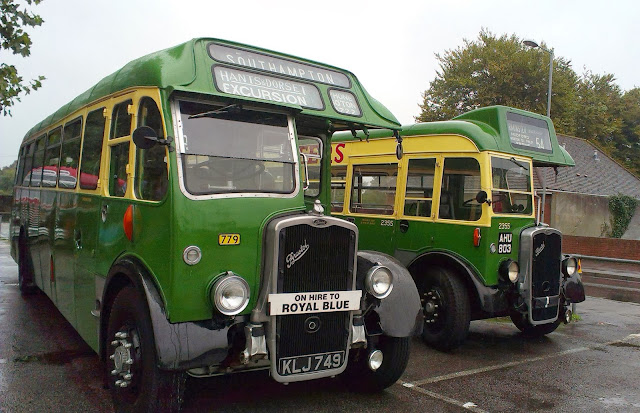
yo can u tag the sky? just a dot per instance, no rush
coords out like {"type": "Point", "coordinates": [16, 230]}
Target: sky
{"type": "Point", "coordinates": [390, 46]}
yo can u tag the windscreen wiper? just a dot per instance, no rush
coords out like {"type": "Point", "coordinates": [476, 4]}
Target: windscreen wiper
{"type": "Point", "coordinates": [233, 108]}
{"type": "Point", "coordinates": [523, 166]}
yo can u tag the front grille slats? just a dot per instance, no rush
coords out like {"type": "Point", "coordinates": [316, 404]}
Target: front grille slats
{"type": "Point", "coordinates": [314, 259]}
{"type": "Point", "coordinates": [545, 274]}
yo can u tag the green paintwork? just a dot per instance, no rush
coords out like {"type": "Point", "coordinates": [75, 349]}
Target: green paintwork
{"type": "Point", "coordinates": [487, 128]}
{"type": "Point", "coordinates": [187, 68]}
{"type": "Point", "coordinates": [87, 247]}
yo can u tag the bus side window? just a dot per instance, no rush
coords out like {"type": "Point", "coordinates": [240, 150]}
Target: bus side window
{"type": "Point", "coordinates": [92, 149]}
{"type": "Point", "coordinates": [460, 184]}
{"type": "Point", "coordinates": [119, 156]}
{"type": "Point", "coordinates": [70, 153]}
{"type": "Point", "coordinates": [373, 189]}
{"type": "Point", "coordinates": [151, 164]}
{"type": "Point", "coordinates": [38, 160]}
{"type": "Point", "coordinates": [419, 188]}
{"type": "Point", "coordinates": [52, 158]}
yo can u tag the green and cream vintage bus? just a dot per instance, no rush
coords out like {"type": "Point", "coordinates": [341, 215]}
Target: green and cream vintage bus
{"type": "Point", "coordinates": [171, 216]}
{"type": "Point", "coordinates": [455, 203]}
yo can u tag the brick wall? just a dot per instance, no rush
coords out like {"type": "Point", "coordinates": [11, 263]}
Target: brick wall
{"type": "Point", "coordinates": [601, 247]}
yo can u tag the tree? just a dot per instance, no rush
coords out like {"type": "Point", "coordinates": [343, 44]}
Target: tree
{"type": "Point", "coordinates": [499, 71]}
{"type": "Point", "coordinates": [13, 37]}
{"type": "Point", "coordinates": [7, 175]}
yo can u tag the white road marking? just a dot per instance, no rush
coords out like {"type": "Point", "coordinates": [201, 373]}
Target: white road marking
{"type": "Point", "coordinates": [415, 385]}
{"type": "Point", "coordinates": [480, 370]}
{"type": "Point", "coordinates": [465, 405]}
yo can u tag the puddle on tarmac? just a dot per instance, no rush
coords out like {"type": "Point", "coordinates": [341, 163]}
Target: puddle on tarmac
{"type": "Point", "coordinates": [56, 358]}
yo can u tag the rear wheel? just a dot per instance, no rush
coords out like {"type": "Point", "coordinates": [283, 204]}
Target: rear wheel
{"type": "Point", "coordinates": [395, 356]}
{"type": "Point", "coordinates": [26, 283]}
{"type": "Point", "coordinates": [446, 309]}
{"type": "Point", "coordinates": [135, 381]}
{"type": "Point", "coordinates": [529, 330]}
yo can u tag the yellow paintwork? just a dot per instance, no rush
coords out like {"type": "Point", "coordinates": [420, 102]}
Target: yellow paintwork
{"type": "Point", "coordinates": [433, 146]}
{"type": "Point", "coordinates": [135, 94]}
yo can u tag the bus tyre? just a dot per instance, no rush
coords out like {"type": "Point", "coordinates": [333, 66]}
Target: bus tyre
{"type": "Point", "coordinates": [528, 330]}
{"type": "Point", "coordinates": [446, 309]}
{"type": "Point", "coordinates": [135, 381]}
{"type": "Point", "coordinates": [395, 356]}
{"type": "Point", "coordinates": [26, 283]}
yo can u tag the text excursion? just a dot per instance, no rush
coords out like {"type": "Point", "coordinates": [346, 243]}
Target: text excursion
{"type": "Point", "coordinates": [315, 302]}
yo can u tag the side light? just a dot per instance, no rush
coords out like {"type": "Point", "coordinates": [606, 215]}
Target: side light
{"type": "Point", "coordinates": [230, 294]}
{"type": "Point", "coordinates": [509, 270]}
{"type": "Point", "coordinates": [127, 223]}
{"type": "Point", "coordinates": [569, 266]}
{"type": "Point", "coordinates": [477, 236]}
{"type": "Point", "coordinates": [379, 281]}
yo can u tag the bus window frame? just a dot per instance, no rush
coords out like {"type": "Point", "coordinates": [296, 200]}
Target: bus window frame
{"type": "Point", "coordinates": [437, 179]}
{"type": "Point", "coordinates": [179, 141]}
{"type": "Point", "coordinates": [519, 158]}
{"type": "Point", "coordinates": [309, 156]}
{"type": "Point", "coordinates": [138, 100]}
{"type": "Point", "coordinates": [79, 118]}
{"type": "Point", "coordinates": [112, 142]}
{"type": "Point", "coordinates": [372, 160]}
{"type": "Point", "coordinates": [48, 147]}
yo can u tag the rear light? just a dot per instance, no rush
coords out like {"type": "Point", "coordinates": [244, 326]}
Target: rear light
{"type": "Point", "coordinates": [477, 236]}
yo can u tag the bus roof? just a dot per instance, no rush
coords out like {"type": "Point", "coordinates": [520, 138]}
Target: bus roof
{"type": "Point", "coordinates": [244, 73]}
{"type": "Point", "coordinates": [493, 128]}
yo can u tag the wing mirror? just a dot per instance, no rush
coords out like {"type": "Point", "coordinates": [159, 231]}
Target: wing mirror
{"type": "Point", "coordinates": [145, 137]}
{"type": "Point", "coordinates": [482, 197]}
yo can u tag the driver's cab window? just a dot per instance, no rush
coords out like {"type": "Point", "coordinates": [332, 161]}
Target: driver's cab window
{"type": "Point", "coordinates": [460, 186]}
{"type": "Point", "coordinates": [311, 162]}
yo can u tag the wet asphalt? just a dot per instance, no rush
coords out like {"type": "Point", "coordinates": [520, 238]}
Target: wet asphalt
{"type": "Point", "coordinates": [590, 365]}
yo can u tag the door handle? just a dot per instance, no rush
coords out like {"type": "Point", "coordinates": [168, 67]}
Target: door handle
{"type": "Point", "coordinates": [77, 238]}
{"type": "Point", "coordinates": [404, 226]}
{"type": "Point", "coordinates": [105, 209]}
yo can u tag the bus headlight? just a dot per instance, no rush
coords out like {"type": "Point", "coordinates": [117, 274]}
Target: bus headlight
{"type": "Point", "coordinates": [569, 266]}
{"type": "Point", "coordinates": [379, 281]}
{"type": "Point", "coordinates": [509, 270]}
{"type": "Point", "coordinates": [230, 294]}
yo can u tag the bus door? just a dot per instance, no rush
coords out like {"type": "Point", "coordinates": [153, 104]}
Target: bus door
{"type": "Point", "coordinates": [85, 230]}
{"type": "Point", "coordinates": [372, 204]}
{"type": "Point", "coordinates": [417, 214]}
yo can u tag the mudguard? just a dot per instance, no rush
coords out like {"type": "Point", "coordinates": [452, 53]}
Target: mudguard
{"type": "Point", "coordinates": [179, 346]}
{"type": "Point", "coordinates": [400, 313]}
{"type": "Point", "coordinates": [573, 289]}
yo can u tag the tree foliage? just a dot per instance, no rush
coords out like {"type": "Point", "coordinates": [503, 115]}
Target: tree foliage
{"type": "Point", "coordinates": [7, 175]}
{"type": "Point", "coordinates": [622, 208]}
{"type": "Point", "coordinates": [501, 70]}
{"type": "Point", "coordinates": [14, 38]}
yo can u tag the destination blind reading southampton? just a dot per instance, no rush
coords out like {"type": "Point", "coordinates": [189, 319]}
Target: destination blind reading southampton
{"type": "Point", "coordinates": [275, 89]}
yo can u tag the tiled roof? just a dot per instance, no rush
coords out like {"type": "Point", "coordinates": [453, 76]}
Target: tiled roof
{"type": "Point", "coordinates": [594, 174]}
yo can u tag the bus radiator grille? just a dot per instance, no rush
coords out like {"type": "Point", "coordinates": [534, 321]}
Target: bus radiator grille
{"type": "Point", "coordinates": [314, 260]}
{"type": "Point", "coordinates": [546, 269]}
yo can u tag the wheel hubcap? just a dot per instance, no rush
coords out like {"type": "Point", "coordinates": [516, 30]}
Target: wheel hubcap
{"type": "Point", "coordinates": [123, 357]}
{"type": "Point", "coordinates": [432, 306]}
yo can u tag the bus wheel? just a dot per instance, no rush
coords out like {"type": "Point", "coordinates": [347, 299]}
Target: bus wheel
{"type": "Point", "coordinates": [446, 309]}
{"type": "Point", "coordinates": [135, 382]}
{"type": "Point", "coordinates": [528, 330]}
{"type": "Point", "coordinates": [395, 356]}
{"type": "Point", "coordinates": [26, 282]}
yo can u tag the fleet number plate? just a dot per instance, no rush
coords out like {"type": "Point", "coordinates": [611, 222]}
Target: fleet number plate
{"type": "Point", "coordinates": [310, 364]}
{"type": "Point", "coordinates": [228, 239]}
{"type": "Point", "coordinates": [315, 302]}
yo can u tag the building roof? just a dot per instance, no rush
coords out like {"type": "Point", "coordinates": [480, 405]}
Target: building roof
{"type": "Point", "coordinates": [594, 174]}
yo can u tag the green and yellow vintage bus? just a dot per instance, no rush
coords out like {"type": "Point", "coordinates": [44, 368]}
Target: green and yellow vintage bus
{"type": "Point", "coordinates": [170, 215]}
{"type": "Point", "coordinates": [458, 209]}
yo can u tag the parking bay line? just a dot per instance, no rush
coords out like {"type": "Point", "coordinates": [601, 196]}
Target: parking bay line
{"type": "Point", "coordinates": [469, 406]}
{"type": "Point", "coordinates": [471, 372]}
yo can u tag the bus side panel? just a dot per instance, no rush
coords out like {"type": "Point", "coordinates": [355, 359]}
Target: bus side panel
{"type": "Point", "coordinates": [85, 239]}
{"type": "Point", "coordinates": [63, 253]}
{"type": "Point", "coordinates": [33, 223]}
{"type": "Point", "coordinates": [45, 244]}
